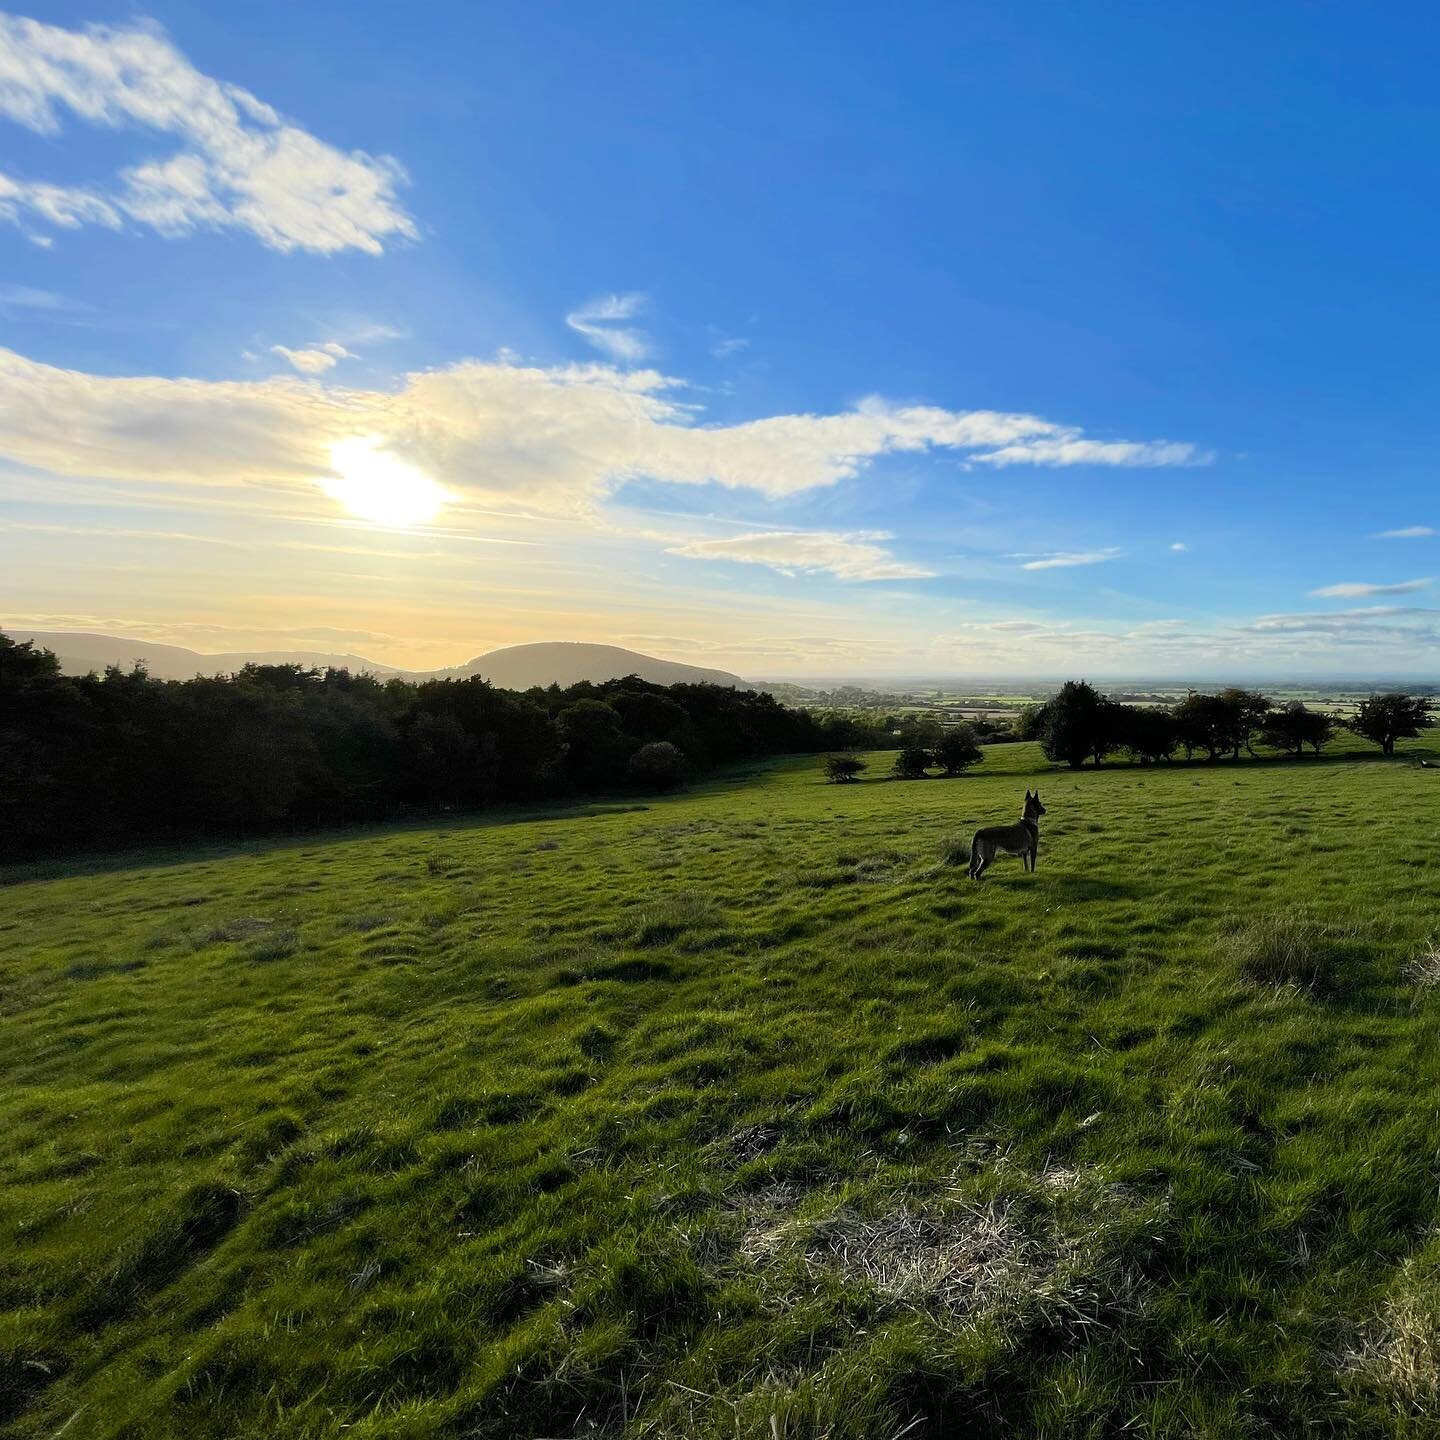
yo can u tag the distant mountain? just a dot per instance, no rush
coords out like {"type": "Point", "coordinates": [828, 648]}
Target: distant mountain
{"type": "Point", "coordinates": [519, 667]}
{"type": "Point", "coordinates": [80, 653]}
{"type": "Point", "coordinates": [516, 667]}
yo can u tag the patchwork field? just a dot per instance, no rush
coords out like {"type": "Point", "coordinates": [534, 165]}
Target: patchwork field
{"type": "Point", "coordinates": [741, 1113]}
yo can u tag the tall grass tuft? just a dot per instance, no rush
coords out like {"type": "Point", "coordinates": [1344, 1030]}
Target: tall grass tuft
{"type": "Point", "coordinates": [1292, 949]}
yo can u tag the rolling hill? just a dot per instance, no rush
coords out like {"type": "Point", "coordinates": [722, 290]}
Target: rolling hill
{"type": "Point", "coordinates": [515, 667]}
{"type": "Point", "coordinates": [518, 667]}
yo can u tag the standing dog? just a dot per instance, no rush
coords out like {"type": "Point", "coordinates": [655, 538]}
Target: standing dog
{"type": "Point", "coordinates": [1022, 839]}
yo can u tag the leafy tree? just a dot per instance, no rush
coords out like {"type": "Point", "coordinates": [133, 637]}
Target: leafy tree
{"type": "Point", "coordinates": [1205, 722]}
{"type": "Point", "coordinates": [647, 714]}
{"type": "Point", "coordinates": [925, 731]}
{"type": "Point", "coordinates": [958, 750]}
{"type": "Point", "coordinates": [595, 748]}
{"type": "Point", "coordinates": [1242, 713]}
{"type": "Point", "coordinates": [656, 766]}
{"type": "Point", "coordinates": [1293, 727]}
{"type": "Point", "coordinates": [842, 769]}
{"type": "Point", "coordinates": [1148, 732]}
{"type": "Point", "coordinates": [1079, 724]}
{"type": "Point", "coordinates": [912, 762]}
{"type": "Point", "coordinates": [1030, 722]}
{"type": "Point", "coordinates": [1394, 716]}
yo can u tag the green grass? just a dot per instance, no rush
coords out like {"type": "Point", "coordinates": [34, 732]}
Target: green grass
{"type": "Point", "coordinates": [741, 1113]}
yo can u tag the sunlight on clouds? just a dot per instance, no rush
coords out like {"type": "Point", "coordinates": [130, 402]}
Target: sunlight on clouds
{"type": "Point", "coordinates": [375, 485]}
{"type": "Point", "coordinates": [557, 440]}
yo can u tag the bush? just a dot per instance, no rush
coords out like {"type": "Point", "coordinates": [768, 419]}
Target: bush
{"type": "Point", "coordinates": [842, 769]}
{"type": "Point", "coordinates": [957, 750]}
{"type": "Point", "coordinates": [657, 766]}
{"type": "Point", "coordinates": [912, 762]}
{"type": "Point", "coordinates": [1388, 718]}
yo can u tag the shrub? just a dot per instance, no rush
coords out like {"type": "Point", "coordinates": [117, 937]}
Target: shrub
{"type": "Point", "coordinates": [957, 750]}
{"type": "Point", "coordinates": [657, 766]}
{"type": "Point", "coordinates": [912, 762]}
{"type": "Point", "coordinates": [842, 769]}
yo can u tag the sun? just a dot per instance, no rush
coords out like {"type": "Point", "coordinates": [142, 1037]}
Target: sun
{"type": "Point", "coordinates": [378, 486]}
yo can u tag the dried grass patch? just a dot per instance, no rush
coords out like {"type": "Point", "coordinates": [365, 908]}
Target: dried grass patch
{"type": "Point", "coordinates": [1058, 1244]}
{"type": "Point", "coordinates": [1399, 1354]}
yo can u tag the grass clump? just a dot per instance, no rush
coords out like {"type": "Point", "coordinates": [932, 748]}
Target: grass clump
{"type": "Point", "coordinates": [1424, 970]}
{"type": "Point", "coordinates": [1398, 1354]}
{"type": "Point", "coordinates": [1292, 949]}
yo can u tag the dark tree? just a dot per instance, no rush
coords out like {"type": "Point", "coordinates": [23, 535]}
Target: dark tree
{"type": "Point", "coordinates": [1202, 722]}
{"type": "Point", "coordinates": [1293, 727]}
{"type": "Point", "coordinates": [957, 750]}
{"type": "Point", "coordinates": [595, 748]}
{"type": "Point", "coordinates": [842, 769]}
{"type": "Point", "coordinates": [656, 766]}
{"type": "Point", "coordinates": [121, 757]}
{"type": "Point", "coordinates": [1148, 732]}
{"type": "Point", "coordinates": [1243, 712]}
{"type": "Point", "coordinates": [1387, 718]}
{"type": "Point", "coordinates": [1079, 724]}
{"type": "Point", "coordinates": [912, 762]}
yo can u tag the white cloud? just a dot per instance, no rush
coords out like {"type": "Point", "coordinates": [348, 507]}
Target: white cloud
{"type": "Point", "coordinates": [1410, 532]}
{"type": "Point", "coordinates": [854, 556]}
{"type": "Point", "coordinates": [313, 359]}
{"type": "Point", "coordinates": [1065, 559]}
{"type": "Point", "coordinates": [730, 345]}
{"type": "Point", "coordinates": [1356, 589]}
{"type": "Point", "coordinates": [1067, 448]}
{"type": "Point", "coordinates": [1179, 547]}
{"type": "Point", "coordinates": [240, 164]}
{"type": "Point", "coordinates": [554, 440]}
{"type": "Point", "coordinates": [596, 321]}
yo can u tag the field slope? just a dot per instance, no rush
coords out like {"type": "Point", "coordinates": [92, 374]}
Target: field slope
{"type": "Point", "coordinates": [741, 1113]}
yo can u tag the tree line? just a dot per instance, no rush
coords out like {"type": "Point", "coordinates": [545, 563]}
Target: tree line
{"type": "Point", "coordinates": [1080, 724]}
{"type": "Point", "coordinates": [119, 756]}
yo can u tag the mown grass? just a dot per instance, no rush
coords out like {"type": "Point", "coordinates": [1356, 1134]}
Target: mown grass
{"type": "Point", "coordinates": [740, 1113]}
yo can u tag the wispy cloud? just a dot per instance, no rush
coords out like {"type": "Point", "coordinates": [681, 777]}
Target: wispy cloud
{"type": "Point", "coordinates": [1067, 448]}
{"type": "Point", "coordinates": [313, 359]}
{"type": "Point", "coordinates": [26, 297]}
{"type": "Point", "coordinates": [1064, 559]}
{"type": "Point", "coordinates": [1179, 547]}
{"type": "Point", "coordinates": [730, 345]}
{"type": "Point", "coordinates": [1409, 532]}
{"type": "Point", "coordinates": [240, 164]}
{"type": "Point", "coordinates": [598, 320]}
{"type": "Point", "coordinates": [1357, 589]}
{"type": "Point", "coordinates": [855, 556]}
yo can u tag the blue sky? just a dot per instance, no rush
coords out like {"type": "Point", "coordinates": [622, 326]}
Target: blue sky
{"type": "Point", "coordinates": [1024, 339]}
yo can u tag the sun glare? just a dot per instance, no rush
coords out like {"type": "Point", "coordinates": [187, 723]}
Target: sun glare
{"type": "Point", "coordinates": [378, 486]}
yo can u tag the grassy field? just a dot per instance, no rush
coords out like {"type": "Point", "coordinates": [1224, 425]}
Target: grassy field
{"type": "Point", "coordinates": [741, 1113]}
